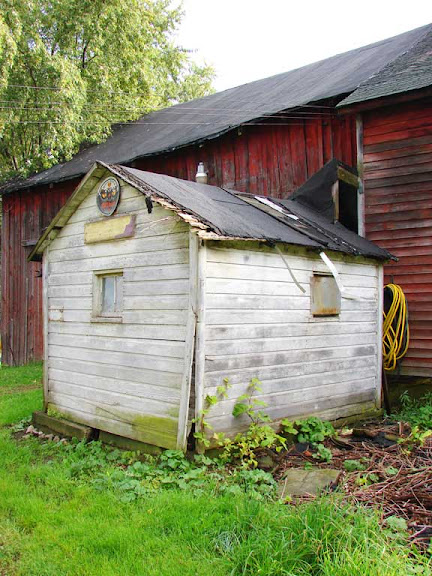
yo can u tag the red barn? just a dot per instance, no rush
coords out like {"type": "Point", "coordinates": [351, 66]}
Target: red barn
{"type": "Point", "coordinates": [266, 137]}
{"type": "Point", "coordinates": [395, 111]}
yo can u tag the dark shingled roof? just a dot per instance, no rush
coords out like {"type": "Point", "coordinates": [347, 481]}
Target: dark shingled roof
{"type": "Point", "coordinates": [411, 71]}
{"type": "Point", "coordinates": [228, 213]}
{"type": "Point", "coordinates": [209, 117]}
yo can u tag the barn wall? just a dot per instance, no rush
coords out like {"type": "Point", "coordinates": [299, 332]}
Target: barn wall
{"type": "Point", "coordinates": [259, 324]}
{"type": "Point", "coordinates": [268, 159]}
{"type": "Point", "coordinates": [25, 215]}
{"type": "Point", "coordinates": [124, 378]}
{"type": "Point", "coordinates": [398, 212]}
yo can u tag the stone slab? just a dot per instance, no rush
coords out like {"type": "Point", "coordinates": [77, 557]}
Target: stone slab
{"type": "Point", "coordinates": [298, 481]}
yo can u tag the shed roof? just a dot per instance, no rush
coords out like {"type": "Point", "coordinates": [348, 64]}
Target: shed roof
{"type": "Point", "coordinates": [410, 71]}
{"type": "Point", "coordinates": [225, 214]}
{"type": "Point", "coordinates": [206, 118]}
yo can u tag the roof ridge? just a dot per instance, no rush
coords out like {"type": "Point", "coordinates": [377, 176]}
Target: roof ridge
{"type": "Point", "coordinates": [391, 62]}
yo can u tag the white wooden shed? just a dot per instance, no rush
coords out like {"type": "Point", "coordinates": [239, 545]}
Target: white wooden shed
{"type": "Point", "coordinates": [156, 289]}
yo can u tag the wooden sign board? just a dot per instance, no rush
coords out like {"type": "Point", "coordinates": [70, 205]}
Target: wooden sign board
{"type": "Point", "coordinates": [113, 229]}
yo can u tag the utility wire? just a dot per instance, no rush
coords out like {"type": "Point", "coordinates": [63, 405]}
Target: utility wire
{"type": "Point", "coordinates": [192, 111]}
{"type": "Point", "coordinates": [137, 123]}
{"type": "Point", "coordinates": [306, 115]}
{"type": "Point", "coordinates": [146, 94]}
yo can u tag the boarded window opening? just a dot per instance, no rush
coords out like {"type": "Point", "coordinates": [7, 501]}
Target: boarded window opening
{"type": "Point", "coordinates": [325, 295]}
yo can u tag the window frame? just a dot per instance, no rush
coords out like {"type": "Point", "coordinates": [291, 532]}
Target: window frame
{"type": "Point", "coordinates": [98, 314]}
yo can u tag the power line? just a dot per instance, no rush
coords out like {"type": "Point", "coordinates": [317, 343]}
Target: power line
{"type": "Point", "coordinates": [135, 94]}
{"type": "Point", "coordinates": [198, 111]}
{"type": "Point", "coordinates": [118, 109]}
{"type": "Point", "coordinates": [247, 123]}
{"type": "Point", "coordinates": [174, 123]}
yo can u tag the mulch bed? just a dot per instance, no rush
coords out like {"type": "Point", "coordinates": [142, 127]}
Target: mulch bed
{"type": "Point", "coordinates": [397, 478]}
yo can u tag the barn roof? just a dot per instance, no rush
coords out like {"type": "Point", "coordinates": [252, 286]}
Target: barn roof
{"type": "Point", "coordinates": [219, 213]}
{"type": "Point", "coordinates": [206, 118]}
{"type": "Point", "coordinates": [410, 71]}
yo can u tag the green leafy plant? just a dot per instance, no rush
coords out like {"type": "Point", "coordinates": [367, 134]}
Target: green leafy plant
{"type": "Point", "coordinates": [310, 430]}
{"type": "Point", "coordinates": [367, 479]}
{"type": "Point", "coordinates": [416, 437]}
{"type": "Point", "coordinates": [353, 465]}
{"type": "Point", "coordinates": [247, 404]}
{"type": "Point", "coordinates": [417, 413]}
{"type": "Point", "coordinates": [323, 453]}
{"type": "Point", "coordinates": [243, 448]}
{"type": "Point", "coordinates": [201, 424]}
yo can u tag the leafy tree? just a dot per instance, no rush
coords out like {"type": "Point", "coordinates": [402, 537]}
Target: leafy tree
{"type": "Point", "coordinates": [69, 69]}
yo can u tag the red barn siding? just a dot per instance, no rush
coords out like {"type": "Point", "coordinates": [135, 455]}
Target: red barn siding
{"type": "Point", "coordinates": [398, 212]}
{"type": "Point", "coordinates": [25, 215]}
{"type": "Point", "coordinates": [266, 159]}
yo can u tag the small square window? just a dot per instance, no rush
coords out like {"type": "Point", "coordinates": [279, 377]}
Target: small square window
{"type": "Point", "coordinates": [325, 296]}
{"type": "Point", "coordinates": [108, 295]}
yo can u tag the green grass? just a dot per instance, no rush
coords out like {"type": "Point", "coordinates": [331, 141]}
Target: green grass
{"type": "Point", "coordinates": [20, 392]}
{"type": "Point", "coordinates": [55, 521]}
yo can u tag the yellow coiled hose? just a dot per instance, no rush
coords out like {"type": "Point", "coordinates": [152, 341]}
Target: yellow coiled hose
{"type": "Point", "coordinates": [395, 327]}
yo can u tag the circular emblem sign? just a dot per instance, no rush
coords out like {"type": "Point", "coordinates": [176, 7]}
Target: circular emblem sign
{"type": "Point", "coordinates": [108, 196]}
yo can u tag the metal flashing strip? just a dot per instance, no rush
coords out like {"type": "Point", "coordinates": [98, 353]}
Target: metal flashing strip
{"type": "Point", "coordinates": [336, 276]}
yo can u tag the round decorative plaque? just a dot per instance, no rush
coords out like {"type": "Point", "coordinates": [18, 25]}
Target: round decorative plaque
{"type": "Point", "coordinates": [108, 196]}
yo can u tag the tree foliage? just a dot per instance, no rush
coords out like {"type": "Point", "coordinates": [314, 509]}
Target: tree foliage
{"type": "Point", "coordinates": [69, 69]}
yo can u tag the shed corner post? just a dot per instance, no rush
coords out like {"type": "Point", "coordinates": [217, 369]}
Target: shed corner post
{"type": "Point", "coordinates": [196, 259]}
{"type": "Point", "coordinates": [200, 332]}
{"type": "Point", "coordinates": [45, 313]}
{"type": "Point", "coordinates": [379, 376]}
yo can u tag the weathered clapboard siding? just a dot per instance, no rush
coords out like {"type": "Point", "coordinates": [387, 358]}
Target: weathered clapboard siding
{"type": "Point", "coordinates": [124, 377]}
{"type": "Point", "coordinates": [156, 258]}
{"type": "Point", "coordinates": [259, 324]}
{"type": "Point", "coordinates": [278, 372]}
{"type": "Point", "coordinates": [124, 331]}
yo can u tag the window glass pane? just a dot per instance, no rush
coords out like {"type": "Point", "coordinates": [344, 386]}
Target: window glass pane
{"type": "Point", "coordinates": [108, 294]}
{"type": "Point", "coordinates": [118, 304]}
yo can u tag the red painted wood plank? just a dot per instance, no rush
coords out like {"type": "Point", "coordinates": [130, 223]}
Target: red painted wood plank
{"type": "Point", "coordinates": [409, 204]}
{"type": "Point", "coordinates": [400, 161]}
{"type": "Point", "coordinates": [393, 172]}
{"type": "Point", "coordinates": [412, 142]}
{"type": "Point", "coordinates": [419, 120]}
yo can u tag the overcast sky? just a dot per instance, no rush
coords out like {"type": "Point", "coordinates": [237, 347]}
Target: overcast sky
{"type": "Point", "coordinates": [250, 39]}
